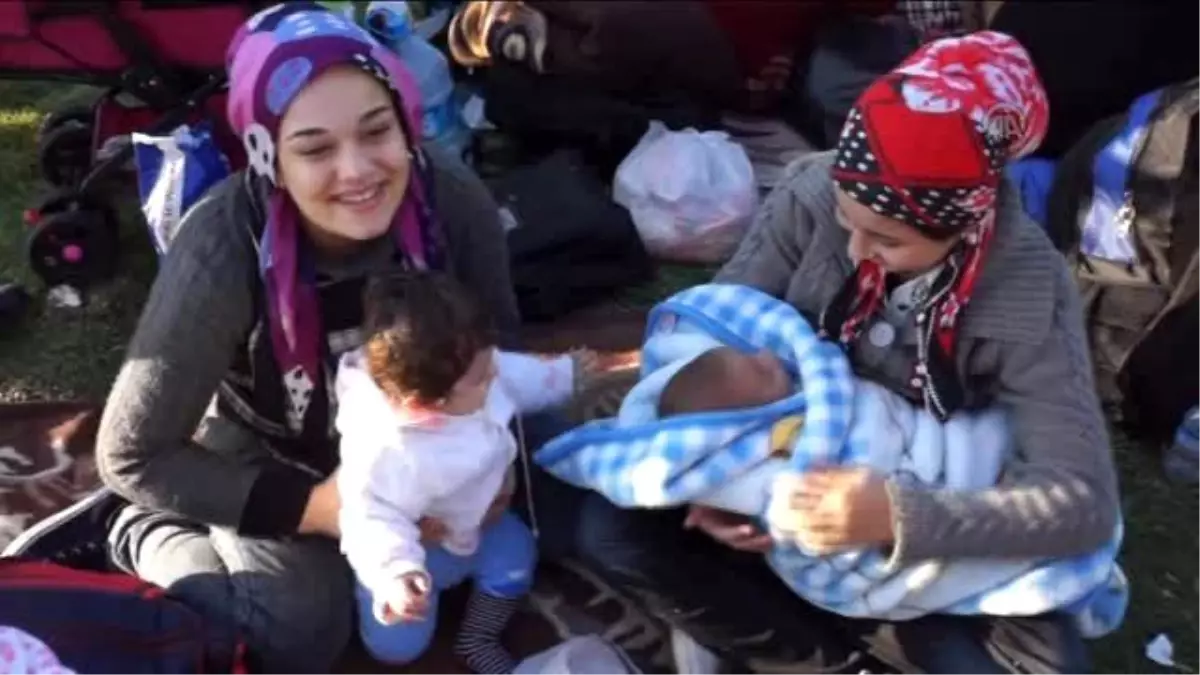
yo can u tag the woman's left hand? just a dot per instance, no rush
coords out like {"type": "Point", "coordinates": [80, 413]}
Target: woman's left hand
{"type": "Point", "coordinates": [831, 509]}
{"type": "Point", "coordinates": [732, 529]}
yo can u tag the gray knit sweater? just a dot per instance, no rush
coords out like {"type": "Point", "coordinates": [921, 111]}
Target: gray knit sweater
{"type": "Point", "coordinates": [1022, 345]}
{"type": "Point", "coordinates": [160, 444]}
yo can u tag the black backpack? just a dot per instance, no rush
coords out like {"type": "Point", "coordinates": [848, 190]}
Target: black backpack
{"type": "Point", "coordinates": [570, 244]}
{"type": "Point", "coordinates": [610, 68]}
{"type": "Point", "coordinates": [1124, 208]}
{"type": "Point", "coordinates": [849, 55]}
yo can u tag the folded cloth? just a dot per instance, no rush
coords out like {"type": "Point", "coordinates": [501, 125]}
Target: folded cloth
{"type": "Point", "coordinates": [729, 459]}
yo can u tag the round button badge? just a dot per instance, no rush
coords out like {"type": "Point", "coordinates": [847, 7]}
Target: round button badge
{"type": "Point", "coordinates": [881, 334]}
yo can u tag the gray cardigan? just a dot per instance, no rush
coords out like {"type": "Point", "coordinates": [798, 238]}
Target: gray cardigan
{"type": "Point", "coordinates": [159, 444]}
{"type": "Point", "coordinates": [1021, 345]}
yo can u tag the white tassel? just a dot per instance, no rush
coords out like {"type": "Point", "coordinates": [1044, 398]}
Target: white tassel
{"type": "Point", "coordinates": [533, 523]}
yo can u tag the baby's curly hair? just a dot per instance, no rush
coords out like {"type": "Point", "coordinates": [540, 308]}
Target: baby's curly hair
{"type": "Point", "coordinates": [423, 330]}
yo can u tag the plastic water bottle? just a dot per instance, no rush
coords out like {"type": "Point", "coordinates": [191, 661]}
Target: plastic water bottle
{"type": "Point", "coordinates": [1181, 461]}
{"type": "Point", "coordinates": [392, 23]}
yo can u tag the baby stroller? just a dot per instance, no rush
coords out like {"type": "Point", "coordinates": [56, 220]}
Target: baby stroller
{"type": "Point", "coordinates": [160, 63]}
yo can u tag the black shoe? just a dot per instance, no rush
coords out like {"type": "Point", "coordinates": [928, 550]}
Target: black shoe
{"type": "Point", "coordinates": [75, 537]}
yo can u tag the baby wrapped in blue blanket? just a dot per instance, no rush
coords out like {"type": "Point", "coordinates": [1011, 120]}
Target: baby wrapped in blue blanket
{"type": "Point", "coordinates": [722, 379]}
{"type": "Point", "coordinates": [694, 379]}
{"type": "Point", "coordinates": [736, 388]}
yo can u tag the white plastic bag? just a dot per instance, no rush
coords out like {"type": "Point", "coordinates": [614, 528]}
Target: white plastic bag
{"type": "Point", "coordinates": [691, 194]}
{"type": "Point", "coordinates": [590, 654]}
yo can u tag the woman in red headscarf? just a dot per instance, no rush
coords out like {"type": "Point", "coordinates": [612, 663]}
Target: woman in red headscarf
{"type": "Point", "coordinates": [905, 245]}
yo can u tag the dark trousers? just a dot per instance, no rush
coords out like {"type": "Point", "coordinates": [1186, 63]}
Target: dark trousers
{"type": "Point", "coordinates": [732, 603]}
{"type": "Point", "coordinates": [557, 505]}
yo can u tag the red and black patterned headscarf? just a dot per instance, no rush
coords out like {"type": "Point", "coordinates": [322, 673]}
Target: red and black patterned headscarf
{"type": "Point", "coordinates": [926, 145]}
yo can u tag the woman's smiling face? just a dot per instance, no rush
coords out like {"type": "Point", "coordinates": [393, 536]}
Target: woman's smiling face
{"type": "Point", "coordinates": [344, 158]}
{"type": "Point", "coordinates": [898, 248]}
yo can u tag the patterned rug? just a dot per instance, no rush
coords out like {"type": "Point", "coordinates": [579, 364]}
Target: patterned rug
{"type": "Point", "coordinates": [46, 464]}
{"type": "Point", "coordinates": [46, 461]}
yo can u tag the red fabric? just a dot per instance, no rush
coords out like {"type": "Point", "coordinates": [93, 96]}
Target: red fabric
{"type": "Point", "coordinates": [762, 30]}
{"type": "Point", "coordinates": [926, 145]}
{"type": "Point", "coordinates": [929, 141]}
{"type": "Point", "coordinates": [76, 43]}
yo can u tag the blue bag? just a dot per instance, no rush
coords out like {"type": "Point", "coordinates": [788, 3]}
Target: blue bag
{"type": "Point", "coordinates": [173, 172]}
{"type": "Point", "coordinates": [1106, 225]}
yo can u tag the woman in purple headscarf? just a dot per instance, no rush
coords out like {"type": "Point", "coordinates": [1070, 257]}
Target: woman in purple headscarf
{"type": "Point", "coordinates": [217, 433]}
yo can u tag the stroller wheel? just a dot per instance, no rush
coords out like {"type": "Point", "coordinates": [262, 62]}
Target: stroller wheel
{"type": "Point", "coordinates": [73, 247]}
{"type": "Point", "coordinates": [65, 199]}
{"type": "Point", "coordinates": [65, 152]}
{"type": "Point", "coordinates": [73, 114]}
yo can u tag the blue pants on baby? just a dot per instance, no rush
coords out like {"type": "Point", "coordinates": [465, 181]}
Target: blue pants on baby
{"type": "Point", "coordinates": [502, 566]}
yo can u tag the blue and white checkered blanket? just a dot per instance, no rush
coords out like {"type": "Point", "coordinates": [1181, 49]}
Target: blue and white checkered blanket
{"type": "Point", "coordinates": [725, 459]}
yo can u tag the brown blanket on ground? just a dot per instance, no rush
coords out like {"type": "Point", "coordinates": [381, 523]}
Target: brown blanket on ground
{"type": "Point", "coordinates": [46, 461]}
{"type": "Point", "coordinates": [46, 464]}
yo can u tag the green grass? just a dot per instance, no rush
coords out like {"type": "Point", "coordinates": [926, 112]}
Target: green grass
{"type": "Point", "coordinates": [74, 353]}
{"type": "Point", "coordinates": [58, 352]}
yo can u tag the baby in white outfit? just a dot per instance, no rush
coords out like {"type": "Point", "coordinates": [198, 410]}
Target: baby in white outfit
{"type": "Point", "coordinates": [424, 413]}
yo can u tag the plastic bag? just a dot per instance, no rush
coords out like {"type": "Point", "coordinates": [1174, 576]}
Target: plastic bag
{"type": "Point", "coordinates": [173, 172]}
{"type": "Point", "coordinates": [691, 194]}
{"type": "Point", "coordinates": [590, 654]}
{"type": "Point", "coordinates": [429, 18]}
{"type": "Point", "coordinates": [22, 653]}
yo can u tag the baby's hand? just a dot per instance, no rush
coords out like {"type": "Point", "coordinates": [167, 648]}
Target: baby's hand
{"type": "Point", "coordinates": [587, 367]}
{"type": "Point", "coordinates": [408, 599]}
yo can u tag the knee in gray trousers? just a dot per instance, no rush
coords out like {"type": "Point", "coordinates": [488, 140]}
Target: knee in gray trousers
{"type": "Point", "coordinates": [290, 600]}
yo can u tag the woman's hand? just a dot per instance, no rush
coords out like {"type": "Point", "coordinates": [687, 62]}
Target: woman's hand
{"type": "Point", "coordinates": [321, 512]}
{"type": "Point", "coordinates": [433, 531]}
{"type": "Point", "coordinates": [734, 530]}
{"type": "Point", "coordinates": [831, 509]}
{"type": "Point", "coordinates": [324, 503]}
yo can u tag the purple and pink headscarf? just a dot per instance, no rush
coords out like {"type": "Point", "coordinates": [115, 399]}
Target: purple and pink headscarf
{"type": "Point", "coordinates": [270, 60]}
